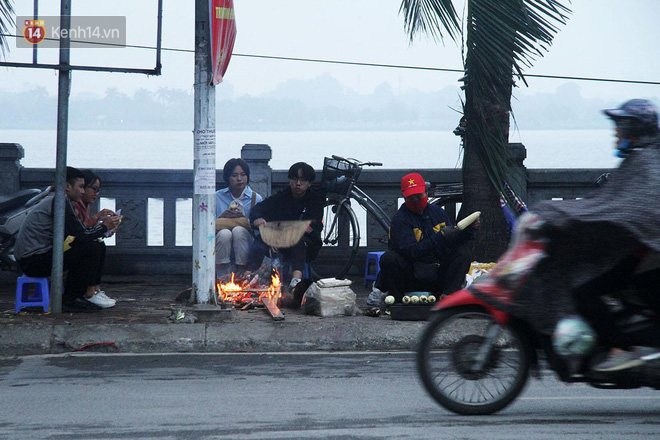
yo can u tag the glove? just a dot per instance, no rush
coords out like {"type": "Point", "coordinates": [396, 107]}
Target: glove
{"type": "Point", "coordinates": [454, 236]}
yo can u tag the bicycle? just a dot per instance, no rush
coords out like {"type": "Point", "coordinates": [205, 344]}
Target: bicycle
{"type": "Point", "coordinates": [341, 229]}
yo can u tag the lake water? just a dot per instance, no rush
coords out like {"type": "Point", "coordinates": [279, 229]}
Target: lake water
{"type": "Point", "coordinates": [395, 149]}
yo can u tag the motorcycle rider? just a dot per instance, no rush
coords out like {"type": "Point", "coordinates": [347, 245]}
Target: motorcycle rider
{"type": "Point", "coordinates": [595, 244]}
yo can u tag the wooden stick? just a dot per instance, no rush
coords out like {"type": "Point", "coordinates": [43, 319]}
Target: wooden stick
{"type": "Point", "coordinates": [273, 310]}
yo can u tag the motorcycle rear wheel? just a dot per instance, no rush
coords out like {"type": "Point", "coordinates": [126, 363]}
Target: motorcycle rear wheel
{"type": "Point", "coordinates": [445, 358]}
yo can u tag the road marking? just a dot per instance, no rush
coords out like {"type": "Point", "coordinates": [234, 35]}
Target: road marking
{"type": "Point", "coordinates": [618, 397]}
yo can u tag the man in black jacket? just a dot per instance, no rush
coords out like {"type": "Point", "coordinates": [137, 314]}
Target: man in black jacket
{"type": "Point", "coordinates": [426, 252]}
{"type": "Point", "coordinates": [34, 245]}
{"type": "Point", "coordinates": [297, 202]}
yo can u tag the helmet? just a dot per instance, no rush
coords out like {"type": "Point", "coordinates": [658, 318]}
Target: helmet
{"type": "Point", "coordinates": [636, 117]}
{"type": "Point", "coordinates": [573, 337]}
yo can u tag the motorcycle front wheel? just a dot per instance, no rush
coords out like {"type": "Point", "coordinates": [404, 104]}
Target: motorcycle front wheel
{"type": "Point", "coordinates": [446, 362]}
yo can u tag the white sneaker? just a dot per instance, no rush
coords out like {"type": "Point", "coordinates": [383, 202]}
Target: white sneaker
{"type": "Point", "coordinates": [102, 294]}
{"type": "Point", "coordinates": [101, 300]}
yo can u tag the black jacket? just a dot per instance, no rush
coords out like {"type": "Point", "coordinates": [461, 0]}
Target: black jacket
{"type": "Point", "coordinates": [283, 206]}
{"type": "Point", "coordinates": [417, 237]}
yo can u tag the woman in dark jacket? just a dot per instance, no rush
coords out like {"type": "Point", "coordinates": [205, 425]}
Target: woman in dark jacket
{"type": "Point", "coordinates": [297, 202]}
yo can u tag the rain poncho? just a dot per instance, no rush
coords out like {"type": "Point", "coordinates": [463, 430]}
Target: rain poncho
{"type": "Point", "coordinates": [588, 237]}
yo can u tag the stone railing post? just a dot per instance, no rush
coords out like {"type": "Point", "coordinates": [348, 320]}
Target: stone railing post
{"type": "Point", "coordinates": [518, 180]}
{"type": "Point", "coordinates": [258, 156]}
{"type": "Point", "coordinates": [10, 167]}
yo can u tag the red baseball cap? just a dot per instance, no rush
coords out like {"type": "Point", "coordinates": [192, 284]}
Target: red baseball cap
{"type": "Point", "coordinates": [412, 183]}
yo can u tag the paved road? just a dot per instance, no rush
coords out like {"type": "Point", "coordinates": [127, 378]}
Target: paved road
{"type": "Point", "coordinates": [287, 396]}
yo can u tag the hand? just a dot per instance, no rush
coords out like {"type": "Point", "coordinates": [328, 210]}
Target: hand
{"type": "Point", "coordinates": [259, 222]}
{"type": "Point", "coordinates": [103, 214]}
{"type": "Point", "coordinates": [112, 222]}
{"type": "Point", "coordinates": [309, 229]}
{"type": "Point", "coordinates": [476, 224]}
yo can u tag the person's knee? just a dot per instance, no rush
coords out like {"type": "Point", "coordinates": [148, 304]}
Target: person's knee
{"type": "Point", "coordinates": [389, 260]}
{"type": "Point", "coordinates": [90, 250]}
{"type": "Point", "coordinates": [223, 237]}
{"type": "Point", "coordinates": [463, 253]}
{"type": "Point", "coordinates": [240, 233]}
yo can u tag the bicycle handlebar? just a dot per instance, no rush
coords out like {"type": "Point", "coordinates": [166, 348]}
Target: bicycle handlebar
{"type": "Point", "coordinates": [357, 162]}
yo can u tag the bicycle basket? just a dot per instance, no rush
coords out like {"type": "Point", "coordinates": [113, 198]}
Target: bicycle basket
{"type": "Point", "coordinates": [337, 174]}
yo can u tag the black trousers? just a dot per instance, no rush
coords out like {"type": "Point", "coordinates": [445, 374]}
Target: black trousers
{"type": "Point", "coordinates": [396, 276]}
{"type": "Point", "coordinates": [84, 263]}
{"type": "Point", "coordinates": [591, 304]}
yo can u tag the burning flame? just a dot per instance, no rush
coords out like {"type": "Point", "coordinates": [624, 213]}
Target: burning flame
{"type": "Point", "coordinates": [245, 293]}
{"type": "Point", "coordinates": [275, 289]}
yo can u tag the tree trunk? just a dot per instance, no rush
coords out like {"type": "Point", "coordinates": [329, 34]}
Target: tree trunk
{"type": "Point", "coordinates": [479, 194]}
{"type": "Point", "coordinates": [487, 109]}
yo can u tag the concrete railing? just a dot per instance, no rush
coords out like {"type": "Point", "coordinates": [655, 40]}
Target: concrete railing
{"type": "Point", "coordinates": [155, 234]}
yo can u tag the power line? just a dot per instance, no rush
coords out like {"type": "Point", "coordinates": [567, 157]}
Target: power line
{"type": "Point", "coordinates": [355, 63]}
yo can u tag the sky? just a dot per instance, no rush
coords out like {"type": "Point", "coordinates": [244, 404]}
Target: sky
{"type": "Point", "coordinates": [603, 38]}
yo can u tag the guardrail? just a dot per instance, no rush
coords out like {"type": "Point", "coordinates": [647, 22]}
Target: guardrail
{"type": "Point", "coordinates": [155, 234]}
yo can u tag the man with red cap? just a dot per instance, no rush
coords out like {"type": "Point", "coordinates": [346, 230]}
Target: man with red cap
{"type": "Point", "coordinates": [426, 252]}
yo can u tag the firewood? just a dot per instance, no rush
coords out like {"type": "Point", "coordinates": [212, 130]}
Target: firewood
{"type": "Point", "coordinates": [272, 309]}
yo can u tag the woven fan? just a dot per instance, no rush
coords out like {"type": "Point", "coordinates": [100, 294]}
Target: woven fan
{"type": "Point", "coordinates": [283, 234]}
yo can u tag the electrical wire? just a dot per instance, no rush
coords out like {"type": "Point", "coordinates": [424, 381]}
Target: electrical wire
{"type": "Point", "coordinates": [355, 63]}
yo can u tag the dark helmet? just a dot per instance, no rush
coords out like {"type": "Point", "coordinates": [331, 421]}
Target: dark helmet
{"type": "Point", "coordinates": [636, 117]}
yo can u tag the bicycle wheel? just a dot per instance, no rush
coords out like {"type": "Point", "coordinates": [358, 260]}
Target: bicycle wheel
{"type": "Point", "coordinates": [445, 361]}
{"type": "Point", "coordinates": [341, 238]}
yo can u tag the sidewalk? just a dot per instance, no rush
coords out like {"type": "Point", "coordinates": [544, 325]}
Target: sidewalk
{"type": "Point", "coordinates": [140, 323]}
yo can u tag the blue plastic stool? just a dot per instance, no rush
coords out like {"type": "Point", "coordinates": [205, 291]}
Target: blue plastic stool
{"type": "Point", "coordinates": [372, 258]}
{"type": "Point", "coordinates": [38, 296]}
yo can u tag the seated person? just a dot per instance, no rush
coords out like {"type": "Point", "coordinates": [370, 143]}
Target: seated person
{"type": "Point", "coordinates": [422, 235]}
{"type": "Point", "coordinates": [34, 246]}
{"type": "Point", "coordinates": [297, 202]}
{"type": "Point", "coordinates": [81, 208]}
{"type": "Point", "coordinates": [235, 201]}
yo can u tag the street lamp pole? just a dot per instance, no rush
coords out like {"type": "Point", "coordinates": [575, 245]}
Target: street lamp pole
{"type": "Point", "coordinates": [63, 91]}
{"type": "Point", "coordinates": [204, 162]}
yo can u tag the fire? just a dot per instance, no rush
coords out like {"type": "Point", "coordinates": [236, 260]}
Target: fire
{"type": "Point", "coordinates": [247, 293]}
{"type": "Point", "coordinates": [275, 290]}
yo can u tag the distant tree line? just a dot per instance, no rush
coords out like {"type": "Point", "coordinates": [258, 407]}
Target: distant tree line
{"type": "Point", "coordinates": [319, 104]}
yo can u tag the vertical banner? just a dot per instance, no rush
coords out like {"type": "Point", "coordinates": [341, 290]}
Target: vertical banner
{"type": "Point", "coordinates": [223, 35]}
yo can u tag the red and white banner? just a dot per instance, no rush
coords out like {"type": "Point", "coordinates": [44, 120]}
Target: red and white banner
{"type": "Point", "coordinates": [223, 35]}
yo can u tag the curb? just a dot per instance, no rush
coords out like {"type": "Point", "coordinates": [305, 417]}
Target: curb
{"type": "Point", "coordinates": [322, 335]}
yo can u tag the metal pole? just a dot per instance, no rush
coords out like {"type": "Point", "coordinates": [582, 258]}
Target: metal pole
{"type": "Point", "coordinates": [159, 36]}
{"type": "Point", "coordinates": [204, 161]}
{"type": "Point", "coordinates": [63, 90]}
{"type": "Point", "coordinates": [35, 13]}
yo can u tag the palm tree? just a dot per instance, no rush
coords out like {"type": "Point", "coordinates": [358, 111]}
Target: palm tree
{"type": "Point", "coordinates": [499, 38]}
{"type": "Point", "coordinates": [6, 21]}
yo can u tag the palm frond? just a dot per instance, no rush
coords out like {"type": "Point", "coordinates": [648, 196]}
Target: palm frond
{"type": "Point", "coordinates": [503, 38]}
{"type": "Point", "coordinates": [6, 22]}
{"type": "Point", "coordinates": [431, 17]}
{"type": "Point", "coordinates": [500, 38]}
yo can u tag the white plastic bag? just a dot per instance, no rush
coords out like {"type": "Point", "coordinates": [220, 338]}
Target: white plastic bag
{"type": "Point", "coordinates": [331, 297]}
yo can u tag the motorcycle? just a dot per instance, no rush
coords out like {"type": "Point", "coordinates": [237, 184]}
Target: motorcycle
{"type": "Point", "coordinates": [14, 208]}
{"type": "Point", "coordinates": [475, 355]}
